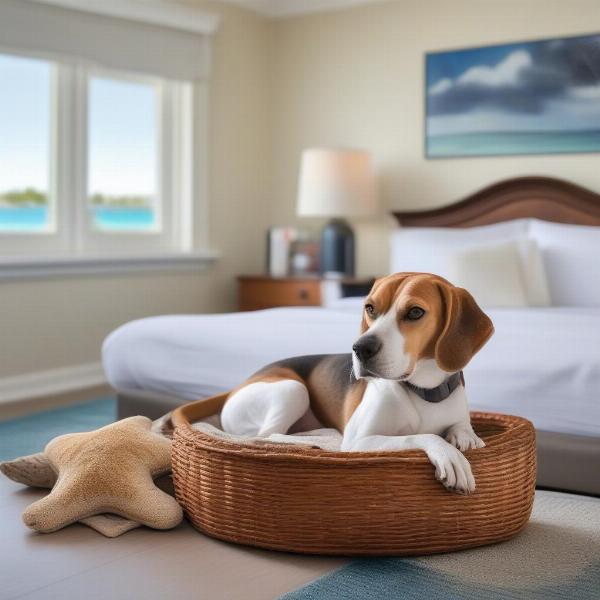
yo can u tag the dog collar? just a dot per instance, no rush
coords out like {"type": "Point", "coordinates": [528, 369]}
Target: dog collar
{"type": "Point", "coordinates": [439, 393]}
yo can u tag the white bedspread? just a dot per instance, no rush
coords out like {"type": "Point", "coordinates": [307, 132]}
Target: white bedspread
{"type": "Point", "coordinates": [542, 363]}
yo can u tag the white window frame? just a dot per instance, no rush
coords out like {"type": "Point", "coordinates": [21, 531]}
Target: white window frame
{"type": "Point", "coordinates": [181, 203]}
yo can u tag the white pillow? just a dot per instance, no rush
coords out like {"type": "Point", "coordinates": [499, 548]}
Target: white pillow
{"type": "Point", "coordinates": [571, 256]}
{"type": "Point", "coordinates": [428, 249]}
{"type": "Point", "coordinates": [493, 274]}
{"type": "Point", "coordinates": [425, 249]}
{"type": "Point", "coordinates": [536, 282]}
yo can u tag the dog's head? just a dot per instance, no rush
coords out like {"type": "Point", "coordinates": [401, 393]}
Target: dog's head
{"type": "Point", "coordinates": [418, 327]}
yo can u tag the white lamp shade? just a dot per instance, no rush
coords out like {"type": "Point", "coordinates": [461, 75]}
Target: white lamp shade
{"type": "Point", "coordinates": [336, 183]}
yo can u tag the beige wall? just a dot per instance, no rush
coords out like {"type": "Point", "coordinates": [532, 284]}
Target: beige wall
{"type": "Point", "coordinates": [355, 78]}
{"type": "Point", "coordinates": [54, 323]}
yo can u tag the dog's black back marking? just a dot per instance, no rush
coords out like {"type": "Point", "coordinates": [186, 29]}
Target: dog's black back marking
{"type": "Point", "coordinates": [340, 367]}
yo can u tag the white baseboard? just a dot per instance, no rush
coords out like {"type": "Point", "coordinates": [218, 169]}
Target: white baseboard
{"type": "Point", "coordinates": [51, 382]}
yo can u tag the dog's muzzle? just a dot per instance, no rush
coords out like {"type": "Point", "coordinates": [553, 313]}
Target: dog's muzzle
{"type": "Point", "coordinates": [366, 348]}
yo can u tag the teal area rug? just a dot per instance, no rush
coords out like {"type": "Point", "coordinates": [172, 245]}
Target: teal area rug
{"type": "Point", "coordinates": [556, 557]}
{"type": "Point", "coordinates": [27, 435]}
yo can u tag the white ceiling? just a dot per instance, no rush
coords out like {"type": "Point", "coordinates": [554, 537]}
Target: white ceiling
{"type": "Point", "coordinates": [286, 8]}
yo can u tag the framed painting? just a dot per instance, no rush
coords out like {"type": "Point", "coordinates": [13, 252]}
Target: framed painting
{"type": "Point", "coordinates": [539, 97]}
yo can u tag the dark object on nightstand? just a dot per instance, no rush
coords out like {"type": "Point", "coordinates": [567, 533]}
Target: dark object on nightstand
{"type": "Point", "coordinates": [356, 288]}
{"type": "Point", "coordinates": [337, 248]}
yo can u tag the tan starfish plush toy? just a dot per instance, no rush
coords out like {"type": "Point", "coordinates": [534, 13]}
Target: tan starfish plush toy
{"type": "Point", "coordinates": [109, 470]}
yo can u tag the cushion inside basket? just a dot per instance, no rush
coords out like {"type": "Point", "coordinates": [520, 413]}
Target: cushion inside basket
{"type": "Point", "coordinates": [325, 439]}
{"type": "Point", "coordinates": [203, 416]}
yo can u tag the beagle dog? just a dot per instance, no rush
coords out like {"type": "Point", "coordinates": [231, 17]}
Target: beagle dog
{"type": "Point", "coordinates": [401, 388]}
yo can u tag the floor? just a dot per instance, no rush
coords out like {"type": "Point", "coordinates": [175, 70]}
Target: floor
{"type": "Point", "coordinates": [27, 406]}
{"type": "Point", "coordinates": [556, 557]}
{"type": "Point", "coordinates": [77, 562]}
{"type": "Point", "coordinates": [27, 435]}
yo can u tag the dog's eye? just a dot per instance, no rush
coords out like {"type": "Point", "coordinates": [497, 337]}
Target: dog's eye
{"type": "Point", "coordinates": [370, 310]}
{"type": "Point", "coordinates": [415, 313]}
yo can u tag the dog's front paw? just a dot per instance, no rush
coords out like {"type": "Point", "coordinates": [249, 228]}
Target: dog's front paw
{"type": "Point", "coordinates": [463, 437]}
{"type": "Point", "coordinates": [452, 469]}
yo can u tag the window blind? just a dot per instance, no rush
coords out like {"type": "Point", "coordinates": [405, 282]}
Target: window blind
{"type": "Point", "coordinates": [115, 42]}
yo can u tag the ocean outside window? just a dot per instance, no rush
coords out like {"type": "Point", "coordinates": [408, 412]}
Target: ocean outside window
{"type": "Point", "coordinates": [123, 155]}
{"type": "Point", "coordinates": [25, 141]}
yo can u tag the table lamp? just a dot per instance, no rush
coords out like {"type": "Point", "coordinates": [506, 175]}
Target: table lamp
{"type": "Point", "coordinates": [336, 183]}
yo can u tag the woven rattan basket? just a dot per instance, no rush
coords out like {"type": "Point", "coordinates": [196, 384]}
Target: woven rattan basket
{"type": "Point", "coordinates": [308, 500]}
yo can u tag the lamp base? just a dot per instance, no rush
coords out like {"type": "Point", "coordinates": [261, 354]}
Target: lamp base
{"type": "Point", "coordinates": [337, 249]}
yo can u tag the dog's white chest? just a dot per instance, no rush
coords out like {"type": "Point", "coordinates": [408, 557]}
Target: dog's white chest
{"type": "Point", "coordinates": [437, 417]}
{"type": "Point", "coordinates": [410, 413]}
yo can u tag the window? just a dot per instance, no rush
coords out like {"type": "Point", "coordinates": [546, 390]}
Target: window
{"type": "Point", "coordinates": [25, 104]}
{"type": "Point", "coordinates": [123, 155]}
{"type": "Point", "coordinates": [93, 160]}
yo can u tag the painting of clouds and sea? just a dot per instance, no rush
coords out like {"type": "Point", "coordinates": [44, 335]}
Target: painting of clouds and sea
{"type": "Point", "coordinates": [525, 98]}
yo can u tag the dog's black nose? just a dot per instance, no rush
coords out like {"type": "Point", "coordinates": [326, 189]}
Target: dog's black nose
{"type": "Point", "coordinates": [367, 347]}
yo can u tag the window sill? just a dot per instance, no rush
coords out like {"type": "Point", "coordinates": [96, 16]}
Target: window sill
{"type": "Point", "coordinates": [12, 268]}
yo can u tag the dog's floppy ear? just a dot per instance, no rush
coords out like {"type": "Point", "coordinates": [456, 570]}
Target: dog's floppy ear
{"type": "Point", "coordinates": [466, 328]}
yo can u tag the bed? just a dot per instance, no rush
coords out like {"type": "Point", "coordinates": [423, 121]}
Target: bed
{"type": "Point", "coordinates": [543, 362]}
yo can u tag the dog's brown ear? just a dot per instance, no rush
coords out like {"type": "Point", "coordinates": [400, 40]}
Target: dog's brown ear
{"type": "Point", "coordinates": [466, 328]}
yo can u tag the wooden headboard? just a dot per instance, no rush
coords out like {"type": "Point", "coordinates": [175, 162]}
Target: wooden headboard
{"type": "Point", "coordinates": [522, 197]}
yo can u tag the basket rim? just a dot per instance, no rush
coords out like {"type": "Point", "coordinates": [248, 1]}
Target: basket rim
{"type": "Point", "coordinates": [515, 427]}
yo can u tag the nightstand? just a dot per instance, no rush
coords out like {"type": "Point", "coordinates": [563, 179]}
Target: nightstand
{"type": "Point", "coordinates": [263, 291]}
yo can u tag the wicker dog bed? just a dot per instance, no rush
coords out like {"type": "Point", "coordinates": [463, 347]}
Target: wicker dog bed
{"type": "Point", "coordinates": [308, 500]}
